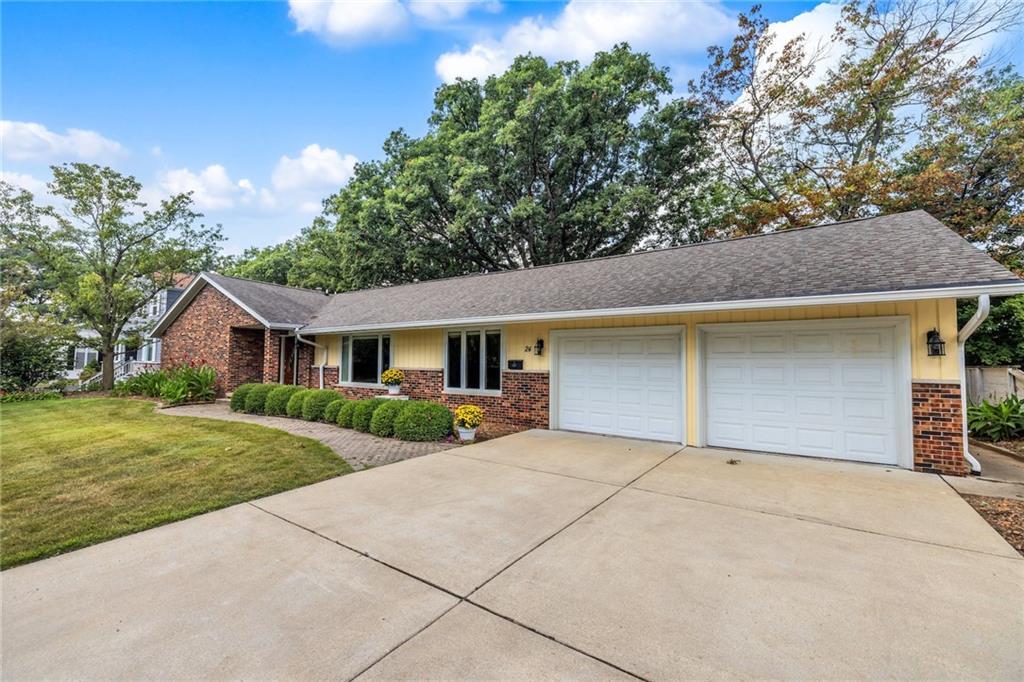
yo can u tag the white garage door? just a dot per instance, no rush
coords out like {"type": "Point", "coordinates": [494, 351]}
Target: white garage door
{"type": "Point", "coordinates": [628, 385]}
{"type": "Point", "coordinates": [817, 389]}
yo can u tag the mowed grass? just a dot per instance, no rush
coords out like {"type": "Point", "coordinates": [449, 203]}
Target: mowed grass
{"type": "Point", "coordinates": [77, 472]}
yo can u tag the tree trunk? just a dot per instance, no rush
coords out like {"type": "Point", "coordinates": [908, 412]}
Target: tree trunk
{"type": "Point", "coordinates": [107, 368]}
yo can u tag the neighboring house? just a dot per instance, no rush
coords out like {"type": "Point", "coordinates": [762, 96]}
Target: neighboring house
{"type": "Point", "coordinates": [811, 341]}
{"type": "Point", "coordinates": [129, 361]}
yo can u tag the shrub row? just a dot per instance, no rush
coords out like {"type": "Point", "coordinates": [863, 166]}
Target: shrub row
{"type": "Point", "coordinates": [417, 420]}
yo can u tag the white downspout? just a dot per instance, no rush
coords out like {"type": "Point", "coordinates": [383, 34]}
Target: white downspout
{"type": "Point", "coordinates": [315, 345]}
{"type": "Point", "coordinates": [984, 304]}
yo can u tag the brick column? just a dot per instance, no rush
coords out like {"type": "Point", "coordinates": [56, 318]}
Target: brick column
{"type": "Point", "coordinates": [938, 429]}
{"type": "Point", "coordinates": [271, 356]}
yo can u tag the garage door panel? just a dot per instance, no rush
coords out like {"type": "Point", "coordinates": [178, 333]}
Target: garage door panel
{"type": "Point", "coordinates": [761, 375]}
{"type": "Point", "coordinates": [829, 392]}
{"type": "Point", "coordinates": [768, 343]}
{"type": "Point", "coordinates": [769, 404]}
{"type": "Point", "coordinates": [631, 386]}
{"type": "Point", "coordinates": [726, 373]}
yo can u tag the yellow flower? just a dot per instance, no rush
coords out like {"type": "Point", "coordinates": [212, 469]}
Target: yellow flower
{"type": "Point", "coordinates": [392, 377]}
{"type": "Point", "coordinates": [468, 416]}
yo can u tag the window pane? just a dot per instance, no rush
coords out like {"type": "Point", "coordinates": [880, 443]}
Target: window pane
{"type": "Point", "coordinates": [343, 368]}
{"type": "Point", "coordinates": [493, 357]}
{"type": "Point", "coordinates": [364, 360]}
{"type": "Point", "coordinates": [472, 359]}
{"type": "Point", "coordinates": [385, 353]}
{"type": "Point", "coordinates": [454, 360]}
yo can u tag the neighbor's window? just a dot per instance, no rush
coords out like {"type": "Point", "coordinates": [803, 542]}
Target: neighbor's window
{"type": "Point", "coordinates": [364, 358]}
{"type": "Point", "coordinates": [473, 360]}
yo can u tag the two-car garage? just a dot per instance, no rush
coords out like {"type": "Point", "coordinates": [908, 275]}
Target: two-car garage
{"type": "Point", "coordinates": [823, 388]}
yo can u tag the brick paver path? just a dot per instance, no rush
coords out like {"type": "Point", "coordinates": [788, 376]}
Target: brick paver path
{"type": "Point", "coordinates": [360, 450]}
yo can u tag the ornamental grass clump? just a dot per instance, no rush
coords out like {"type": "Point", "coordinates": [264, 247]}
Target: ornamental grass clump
{"type": "Point", "coordinates": [316, 402]}
{"type": "Point", "coordinates": [345, 413]}
{"type": "Point", "coordinates": [277, 402]}
{"type": "Point", "coordinates": [256, 400]}
{"type": "Point", "coordinates": [422, 420]}
{"type": "Point", "coordinates": [383, 422]}
{"type": "Point", "coordinates": [363, 413]}
{"type": "Point", "coordinates": [294, 407]}
{"type": "Point", "coordinates": [189, 384]}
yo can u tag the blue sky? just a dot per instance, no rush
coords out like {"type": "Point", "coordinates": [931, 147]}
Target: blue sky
{"type": "Point", "coordinates": [261, 108]}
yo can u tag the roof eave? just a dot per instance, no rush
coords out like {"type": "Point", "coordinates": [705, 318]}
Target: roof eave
{"type": "Point", "coordinates": [1007, 288]}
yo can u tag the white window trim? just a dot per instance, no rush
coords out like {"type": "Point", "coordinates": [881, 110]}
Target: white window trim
{"type": "Point", "coordinates": [380, 358]}
{"type": "Point", "coordinates": [483, 362]}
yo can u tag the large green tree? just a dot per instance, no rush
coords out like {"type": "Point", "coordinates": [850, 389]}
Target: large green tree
{"type": "Point", "coordinates": [807, 132]}
{"type": "Point", "coordinates": [544, 163]}
{"type": "Point", "coordinates": [105, 252]}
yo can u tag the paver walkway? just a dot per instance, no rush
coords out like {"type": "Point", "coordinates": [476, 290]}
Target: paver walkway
{"type": "Point", "coordinates": [360, 450]}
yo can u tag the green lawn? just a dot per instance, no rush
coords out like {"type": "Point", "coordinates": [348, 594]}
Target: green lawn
{"type": "Point", "coordinates": [77, 472]}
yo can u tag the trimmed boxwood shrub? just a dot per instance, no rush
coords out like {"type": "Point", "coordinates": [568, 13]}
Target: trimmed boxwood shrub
{"type": "Point", "coordinates": [331, 411]}
{"type": "Point", "coordinates": [256, 399]}
{"type": "Point", "coordinates": [294, 407]}
{"type": "Point", "coordinates": [383, 422]}
{"type": "Point", "coordinates": [423, 420]}
{"type": "Point", "coordinates": [315, 403]}
{"type": "Point", "coordinates": [345, 413]}
{"type": "Point", "coordinates": [277, 401]}
{"type": "Point", "coordinates": [238, 397]}
{"type": "Point", "coordinates": [363, 413]}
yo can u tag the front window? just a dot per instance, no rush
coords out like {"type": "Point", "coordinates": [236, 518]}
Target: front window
{"type": "Point", "coordinates": [473, 360]}
{"type": "Point", "coordinates": [364, 358]}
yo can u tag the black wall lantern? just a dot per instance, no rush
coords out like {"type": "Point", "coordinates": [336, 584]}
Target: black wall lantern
{"type": "Point", "coordinates": [538, 348]}
{"type": "Point", "coordinates": [936, 346]}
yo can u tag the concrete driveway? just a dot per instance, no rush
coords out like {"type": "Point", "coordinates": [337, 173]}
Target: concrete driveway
{"type": "Point", "coordinates": [543, 555]}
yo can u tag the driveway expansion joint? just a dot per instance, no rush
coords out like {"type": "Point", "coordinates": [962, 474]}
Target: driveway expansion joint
{"type": "Point", "coordinates": [825, 522]}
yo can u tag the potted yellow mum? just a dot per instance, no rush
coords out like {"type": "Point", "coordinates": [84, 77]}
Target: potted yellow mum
{"type": "Point", "coordinates": [393, 378]}
{"type": "Point", "coordinates": [467, 419]}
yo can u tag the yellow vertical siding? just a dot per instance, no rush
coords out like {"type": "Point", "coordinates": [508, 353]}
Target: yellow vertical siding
{"type": "Point", "coordinates": [424, 348]}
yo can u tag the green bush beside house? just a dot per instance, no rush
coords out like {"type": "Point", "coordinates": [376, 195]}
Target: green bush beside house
{"type": "Point", "coordinates": [277, 401]}
{"type": "Point", "coordinates": [256, 399]}
{"type": "Point", "coordinates": [383, 422]}
{"type": "Point", "coordinates": [316, 402]}
{"type": "Point", "coordinates": [294, 407]}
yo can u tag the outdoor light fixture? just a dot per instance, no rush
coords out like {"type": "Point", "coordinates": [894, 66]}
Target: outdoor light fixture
{"type": "Point", "coordinates": [538, 348]}
{"type": "Point", "coordinates": [936, 346]}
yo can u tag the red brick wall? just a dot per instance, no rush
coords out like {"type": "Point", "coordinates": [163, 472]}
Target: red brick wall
{"type": "Point", "coordinates": [523, 403]}
{"type": "Point", "coordinates": [202, 333]}
{"type": "Point", "coordinates": [271, 356]}
{"type": "Point", "coordinates": [245, 355]}
{"type": "Point", "coordinates": [938, 429]}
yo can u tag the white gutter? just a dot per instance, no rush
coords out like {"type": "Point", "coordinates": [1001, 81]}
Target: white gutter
{"type": "Point", "coordinates": [972, 325]}
{"type": "Point", "coordinates": [298, 336]}
{"type": "Point", "coordinates": [1007, 289]}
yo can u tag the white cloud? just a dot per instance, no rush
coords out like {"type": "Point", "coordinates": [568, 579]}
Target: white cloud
{"type": "Point", "coordinates": [316, 167]}
{"type": "Point", "coordinates": [24, 181]}
{"type": "Point", "coordinates": [212, 188]}
{"type": "Point", "coordinates": [24, 141]}
{"type": "Point", "coordinates": [440, 11]}
{"type": "Point", "coordinates": [583, 28]}
{"type": "Point", "coordinates": [348, 22]}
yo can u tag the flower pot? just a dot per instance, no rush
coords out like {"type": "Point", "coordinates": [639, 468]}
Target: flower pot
{"type": "Point", "coordinates": [467, 435]}
{"type": "Point", "coordinates": [394, 390]}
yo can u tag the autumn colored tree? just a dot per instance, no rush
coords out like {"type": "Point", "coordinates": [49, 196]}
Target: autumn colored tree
{"type": "Point", "coordinates": [807, 133]}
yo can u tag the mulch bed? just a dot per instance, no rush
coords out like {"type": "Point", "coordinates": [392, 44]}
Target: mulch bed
{"type": "Point", "coordinates": [1015, 445]}
{"type": "Point", "coordinates": [1005, 515]}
